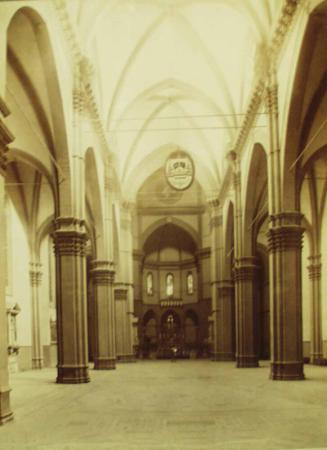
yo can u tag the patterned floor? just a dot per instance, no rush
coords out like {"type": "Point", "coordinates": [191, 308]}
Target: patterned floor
{"type": "Point", "coordinates": [159, 405]}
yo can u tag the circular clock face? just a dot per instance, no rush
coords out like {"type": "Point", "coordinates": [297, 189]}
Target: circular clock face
{"type": "Point", "coordinates": [179, 170]}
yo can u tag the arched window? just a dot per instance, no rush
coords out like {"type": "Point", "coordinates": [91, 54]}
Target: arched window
{"type": "Point", "coordinates": [169, 285]}
{"type": "Point", "coordinates": [190, 284]}
{"type": "Point", "coordinates": [149, 283]}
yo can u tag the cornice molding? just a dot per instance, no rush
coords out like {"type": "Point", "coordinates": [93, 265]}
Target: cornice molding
{"type": "Point", "coordinates": [204, 253]}
{"type": "Point", "coordinates": [283, 26]}
{"type": "Point", "coordinates": [4, 109]}
{"type": "Point", "coordinates": [6, 137]}
{"type": "Point", "coordinates": [85, 96]}
{"type": "Point", "coordinates": [155, 265]}
{"type": "Point", "coordinates": [258, 95]}
{"type": "Point", "coordinates": [170, 210]}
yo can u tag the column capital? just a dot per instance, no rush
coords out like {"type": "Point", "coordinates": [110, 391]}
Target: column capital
{"type": "Point", "coordinates": [109, 183]}
{"type": "Point", "coordinates": [286, 231]}
{"type": "Point", "coordinates": [245, 268]}
{"type": "Point", "coordinates": [35, 273]}
{"type": "Point", "coordinates": [121, 293]}
{"type": "Point", "coordinates": [138, 255]}
{"type": "Point", "coordinates": [216, 218]}
{"type": "Point", "coordinates": [224, 287]}
{"type": "Point", "coordinates": [233, 159]}
{"type": "Point", "coordinates": [216, 221]}
{"type": "Point", "coordinates": [203, 253]}
{"type": "Point", "coordinates": [128, 205]}
{"type": "Point", "coordinates": [102, 272]}
{"type": "Point", "coordinates": [214, 203]}
{"type": "Point", "coordinates": [234, 162]}
{"type": "Point", "coordinates": [286, 218]}
{"type": "Point", "coordinates": [79, 99]}
{"type": "Point", "coordinates": [70, 236]}
{"type": "Point", "coordinates": [315, 267]}
{"type": "Point", "coordinates": [272, 94]}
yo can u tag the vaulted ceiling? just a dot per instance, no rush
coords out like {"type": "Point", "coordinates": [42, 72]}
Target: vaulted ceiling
{"type": "Point", "coordinates": [173, 73]}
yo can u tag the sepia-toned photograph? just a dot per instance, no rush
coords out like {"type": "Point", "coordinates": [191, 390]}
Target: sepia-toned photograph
{"type": "Point", "coordinates": [163, 224]}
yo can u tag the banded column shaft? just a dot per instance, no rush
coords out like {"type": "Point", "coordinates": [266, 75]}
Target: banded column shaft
{"type": "Point", "coordinates": [244, 277]}
{"type": "Point", "coordinates": [37, 348]}
{"type": "Point", "coordinates": [316, 320]}
{"type": "Point", "coordinates": [105, 347]}
{"type": "Point", "coordinates": [5, 410]}
{"type": "Point", "coordinates": [70, 241]}
{"type": "Point", "coordinates": [246, 312]}
{"type": "Point", "coordinates": [225, 330]}
{"type": "Point", "coordinates": [285, 242]}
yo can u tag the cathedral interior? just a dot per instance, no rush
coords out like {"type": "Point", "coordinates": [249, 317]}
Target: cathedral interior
{"type": "Point", "coordinates": [163, 186]}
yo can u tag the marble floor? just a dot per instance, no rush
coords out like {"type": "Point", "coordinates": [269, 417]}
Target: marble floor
{"type": "Point", "coordinates": [164, 405]}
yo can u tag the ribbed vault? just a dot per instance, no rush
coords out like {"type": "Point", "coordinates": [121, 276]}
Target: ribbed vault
{"type": "Point", "coordinates": [173, 73]}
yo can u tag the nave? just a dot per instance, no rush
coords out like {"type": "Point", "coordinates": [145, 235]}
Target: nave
{"type": "Point", "coordinates": [163, 196]}
{"type": "Point", "coordinates": [163, 405]}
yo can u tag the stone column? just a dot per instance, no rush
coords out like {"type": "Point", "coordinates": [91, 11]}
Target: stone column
{"type": "Point", "coordinates": [5, 411]}
{"type": "Point", "coordinates": [105, 346]}
{"type": "Point", "coordinates": [245, 273]}
{"type": "Point", "coordinates": [222, 301]}
{"type": "Point", "coordinates": [285, 242]}
{"type": "Point", "coordinates": [37, 349]}
{"type": "Point", "coordinates": [124, 334]}
{"type": "Point", "coordinates": [225, 338]}
{"type": "Point", "coordinates": [316, 320]}
{"type": "Point", "coordinates": [124, 292]}
{"type": "Point", "coordinates": [70, 240]}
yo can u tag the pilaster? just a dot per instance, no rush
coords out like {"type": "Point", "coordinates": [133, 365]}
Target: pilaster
{"type": "Point", "coordinates": [70, 241]}
{"type": "Point", "coordinates": [5, 138]}
{"type": "Point", "coordinates": [285, 242]}
{"type": "Point", "coordinates": [314, 270]}
{"type": "Point", "coordinates": [105, 347]}
{"type": "Point", "coordinates": [35, 282]}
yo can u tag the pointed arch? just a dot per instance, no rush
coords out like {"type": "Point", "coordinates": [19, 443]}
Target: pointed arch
{"type": "Point", "coordinates": [94, 200]}
{"type": "Point", "coordinates": [175, 221]}
{"type": "Point", "coordinates": [50, 109]}
{"type": "Point", "coordinates": [255, 200]}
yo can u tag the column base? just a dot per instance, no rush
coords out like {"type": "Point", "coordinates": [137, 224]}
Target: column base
{"type": "Point", "coordinates": [318, 360]}
{"type": "Point", "coordinates": [223, 357]}
{"type": "Point", "coordinates": [287, 371]}
{"type": "Point", "coordinates": [126, 358]}
{"type": "Point", "coordinates": [6, 415]}
{"type": "Point", "coordinates": [102, 363]}
{"type": "Point", "coordinates": [73, 374]}
{"type": "Point", "coordinates": [37, 363]}
{"type": "Point", "coordinates": [246, 361]}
